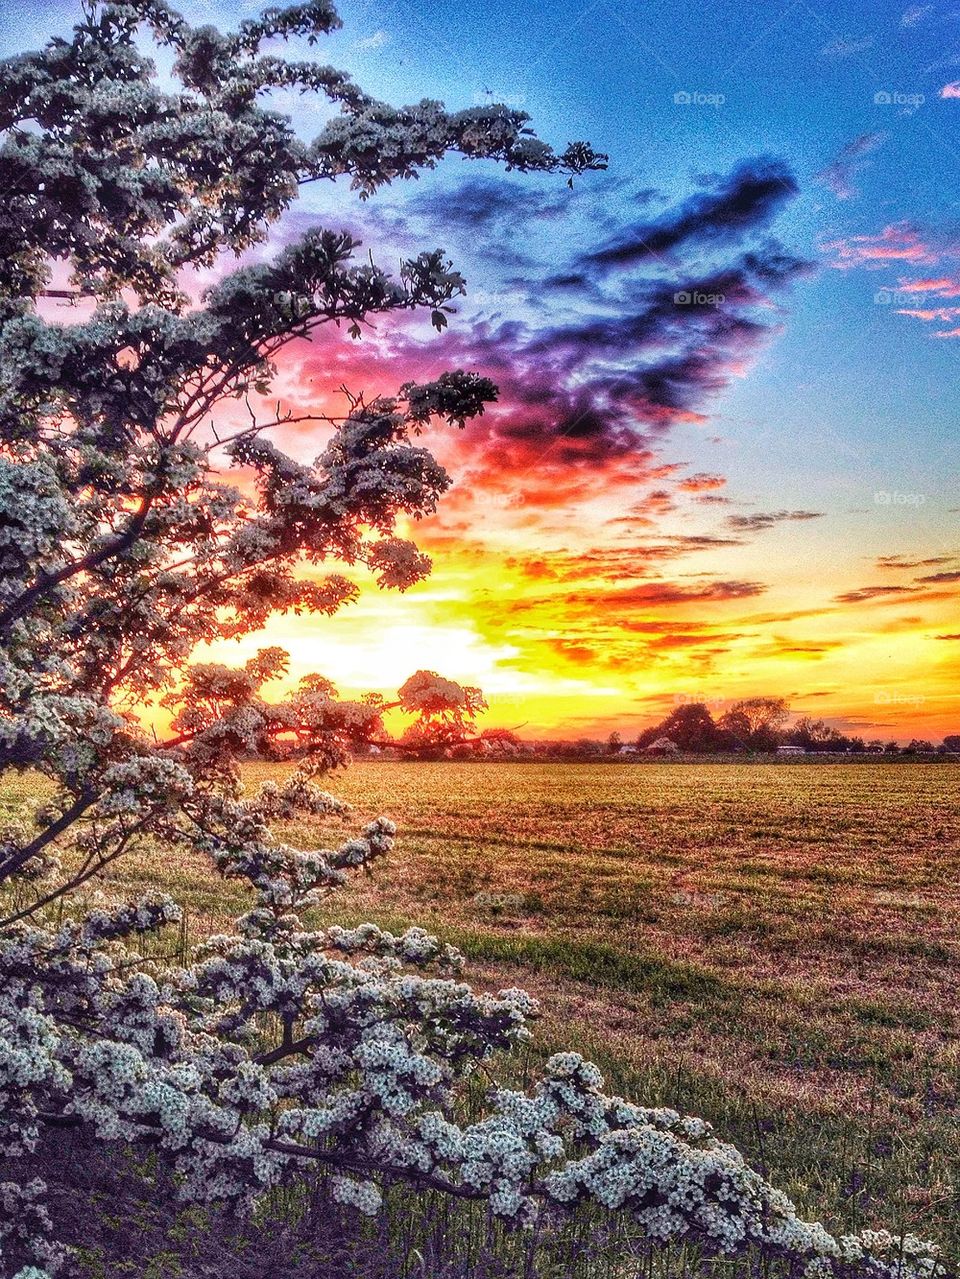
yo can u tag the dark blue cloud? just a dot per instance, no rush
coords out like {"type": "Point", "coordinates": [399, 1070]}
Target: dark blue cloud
{"type": "Point", "coordinates": [744, 201]}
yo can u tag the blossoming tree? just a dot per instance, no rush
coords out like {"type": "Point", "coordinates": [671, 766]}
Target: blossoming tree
{"type": "Point", "coordinates": [279, 1051]}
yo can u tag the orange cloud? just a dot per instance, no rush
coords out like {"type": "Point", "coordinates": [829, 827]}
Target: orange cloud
{"type": "Point", "coordinates": [701, 482]}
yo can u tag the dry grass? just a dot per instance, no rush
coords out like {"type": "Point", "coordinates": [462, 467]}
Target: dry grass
{"type": "Point", "coordinates": [774, 948]}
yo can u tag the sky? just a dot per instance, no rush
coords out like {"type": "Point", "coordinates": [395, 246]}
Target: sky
{"type": "Point", "coordinates": [724, 459]}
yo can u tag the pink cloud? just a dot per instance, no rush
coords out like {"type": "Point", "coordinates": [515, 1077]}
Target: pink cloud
{"type": "Point", "coordinates": [896, 243]}
{"type": "Point", "coordinates": [941, 313]}
{"type": "Point", "coordinates": [943, 286]}
{"type": "Point", "coordinates": [951, 90]}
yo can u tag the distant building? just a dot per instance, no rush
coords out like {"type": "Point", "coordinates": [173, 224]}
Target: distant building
{"type": "Point", "coordinates": [663, 746]}
{"type": "Point", "coordinates": [790, 750]}
{"type": "Point", "coordinates": [628, 749]}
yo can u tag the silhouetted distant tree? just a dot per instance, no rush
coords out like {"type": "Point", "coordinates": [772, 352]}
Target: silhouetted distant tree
{"type": "Point", "coordinates": [692, 728]}
{"type": "Point", "coordinates": [757, 721]}
{"type": "Point", "coordinates": [505, 736]}
{"type": "Point", "coordinates": [818, 735]}
{"type": "Point", "coordinates": [500, 741]}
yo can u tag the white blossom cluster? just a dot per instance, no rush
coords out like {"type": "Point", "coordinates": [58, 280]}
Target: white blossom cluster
{"type": "Point", "coordinates": [25, 1227]}
{"type": "Point", "coordinates": [362, 1076]}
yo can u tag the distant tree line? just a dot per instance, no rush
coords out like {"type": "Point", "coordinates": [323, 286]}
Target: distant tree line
{"type": "Point", "coordinates": [754, 725]}
{"type": "Point", "coordinates": [760, 725]}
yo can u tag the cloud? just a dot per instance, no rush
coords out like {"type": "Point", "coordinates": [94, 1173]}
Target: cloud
{"type": "Point", "coordinates": [497, 214]}
{"type": "Point", "coordinates": [951, 90]}
{"type": "Point", "coordinates": [942, 285]}
{"type": "Point", "coordinates": [675, 341]}
{"type": "Point", "coordinates": [701, 482]}
{"type": "Point", "coordinates": [847, 47]}
{"type": "Point", "coordinates": [779, 646]}
{"type": "Point", "coordinates": [761, 520]}
{"type": "Point", "coordinates": [915, 14]}
{"type": "Point", "coordinates": [713, 641]}
{"type": "Point", "coordinates": [949, 637]}
{"type": "Point", "coordinates": [841, 173]}
{"type": "Point", "coordinates": [952, 576]}
{"type": "Point", "coordinates": [614, 563]}
{"type": "Point", "coordinates": [744, 200]}
{"type": "Point", "coordinates": [900, 561]}
{"type": "Point", "coordinates": [594, 370]}
{"type": "Point", "coordinates": [916, 298]}
{"type": "Point", "coordinates": [941, 313]}
{"type": "Point", "coordinates": [865, 593]}
{"type": "Point", "coordinates": [584, 389]}
{"type": "Point", "coordinates": [375, 41]}
{"type": "Point", "coordinates": [899, 242]}
{"type": "Point", "coordinates": [918, 292]}
{"type": "Point", "coordinates": [574, 651]}
{"type": "Point", "coordinates": [656, 594]}
{"type": "Point", "coordinates": [621, 648]}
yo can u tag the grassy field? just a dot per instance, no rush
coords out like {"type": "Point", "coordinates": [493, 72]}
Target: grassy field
{"type": "Point", "coordinates": [774, 948]}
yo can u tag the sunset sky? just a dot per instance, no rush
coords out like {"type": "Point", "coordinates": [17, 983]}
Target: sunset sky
{"type": "Point", "coordinates": [724, 461]}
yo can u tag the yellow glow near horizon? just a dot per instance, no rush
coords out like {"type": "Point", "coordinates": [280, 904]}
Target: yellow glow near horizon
{"type": "Point", "coordinates": [553, 671]}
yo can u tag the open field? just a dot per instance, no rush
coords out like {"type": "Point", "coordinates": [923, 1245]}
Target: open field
{"type": "Point", "coordinates": [775, 948]}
